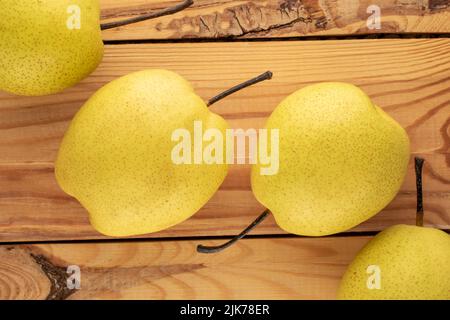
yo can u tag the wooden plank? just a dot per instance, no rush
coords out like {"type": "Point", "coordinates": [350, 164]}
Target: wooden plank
{"type": "Point", "coordinates": [408, 78]}
{"type": "Point", "coordinates": [274, 18]}
{"type": "Point", "coordinates": [291, 268]}
{"type": "Point", "coordinates": [33, 208]}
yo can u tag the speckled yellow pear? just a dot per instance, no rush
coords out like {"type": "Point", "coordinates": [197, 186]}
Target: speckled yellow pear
{"type": "Point", "coordinates": [116, 155]}
{"type": "Point", "coordinates": [342, 160]}
{"type": "Point", "coordinates": [402, 262]}
{"type": "Point", "coordinates": [48, 45]}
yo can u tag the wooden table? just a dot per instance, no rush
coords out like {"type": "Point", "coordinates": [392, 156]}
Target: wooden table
{"type": "Point", "coordinates": [406, 72]}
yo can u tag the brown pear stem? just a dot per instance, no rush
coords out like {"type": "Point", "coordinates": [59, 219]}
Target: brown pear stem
{"type": "Point", "coordinates": [164, 12]}
{"type": "Point", "coordinates": [264, 76]}
{"type": "Point", "coordinates": [215, 249]}
{"type": "Point", "coordinates": [419, 213]}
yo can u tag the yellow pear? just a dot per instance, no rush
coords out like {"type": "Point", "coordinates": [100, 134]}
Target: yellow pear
{"type": "Point", "coordinates": [48, 45]}
{"type": "Point", "coordinates": [342, 160]}
{"type": "Point", "coordinates": [116, 157]}
{"type": "Point", "coordinates": [401, 262]}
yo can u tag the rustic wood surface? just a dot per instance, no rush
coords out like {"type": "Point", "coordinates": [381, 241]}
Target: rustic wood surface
{"type": "Point", "coordinates": [292, 268]}
{"type": "Point", "coordinates": [408, 78]}
{"type": "Point", "coordinates": [275, 18]}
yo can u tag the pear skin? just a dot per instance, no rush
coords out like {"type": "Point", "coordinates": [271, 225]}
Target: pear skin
{"type": "Point", "coordinates": [116, 155]}
{"type": "Point", "coordinates": [342, 160]}
{"type": "Point", "coordinates": [412, 262]}
{"type": "Point", "coordinates": [39, 53]}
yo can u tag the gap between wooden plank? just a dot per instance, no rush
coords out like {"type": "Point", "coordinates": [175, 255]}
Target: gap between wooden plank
{"type": "Point", "coordinates": [302, 38]}
{"type": "Point", "coordinates": [347, 234]}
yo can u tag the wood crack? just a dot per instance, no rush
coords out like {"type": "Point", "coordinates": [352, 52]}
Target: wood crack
{"type": "Point", "coordinates": [204, 24]}
{"type": "Point", "coordinates": [286, 10]}
{"type": "Point", "coordinates": [275, 27]}
{"type": "Point", "coordinates": [438, 4]}
{"type": "Point", "coordinates": [57, 277]}
{"type": "Point", "coordinates": [241, 20]}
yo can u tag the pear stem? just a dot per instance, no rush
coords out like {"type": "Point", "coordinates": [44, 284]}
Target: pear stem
{"type": "Point", "coordinates": [419, 213]}
{"type": "Point", "coordinates": [264, 76]}
{"type": "Point", "coordinates": [164, 12]}
{"type": "Point", "coordinates": [215, 249]}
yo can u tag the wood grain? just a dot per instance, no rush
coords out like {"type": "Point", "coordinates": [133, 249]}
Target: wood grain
{"type": "Point", "coordinates": [291, 268]}
{"type": "Point", "coordinates": [275, 18]}
{"type": "Point", "coordinates": [408, 78]}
